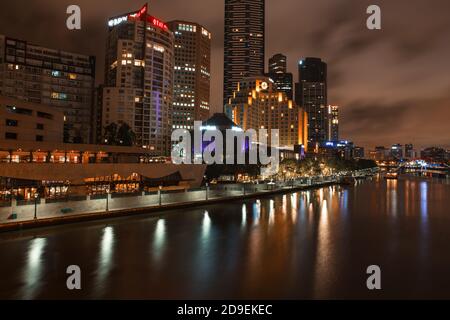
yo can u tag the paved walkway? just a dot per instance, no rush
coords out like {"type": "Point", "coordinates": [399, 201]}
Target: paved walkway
{"type": "Point", "coordinates": [70, 211]}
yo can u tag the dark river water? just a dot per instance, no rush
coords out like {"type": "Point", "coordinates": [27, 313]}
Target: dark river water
{"type": "Point", "coordinates": [306, 245]}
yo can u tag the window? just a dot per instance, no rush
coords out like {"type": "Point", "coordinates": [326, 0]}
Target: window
{"type": "Point", "coordinates": [14, 109]}
{"type": "Point", "coordinates": [44, 115]}
{"type": "Point", "coordinates": [59, 96]}
{"type": "Point", "coordinates": [39, 138]}
{"type": "Point", "coordinates": [11, 123]}
{"type": "Point", "coordinates": [11, 136]}
{"type": "Point", "coordinates": [40, 126]}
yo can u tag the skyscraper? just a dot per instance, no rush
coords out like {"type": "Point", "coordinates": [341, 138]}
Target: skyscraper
{"type": "Point", "coordinates": [409, 151]}
{"type": "Point", "coordinates": [278, 63]}
{"type": "Point", "coordinates": [358, 153]}
{"type": "Point", "coordinates": [278, 73]}
{"type": "Point", "coordinates": [258, 105]}
{"type": "Point", "coordinates": [139, 78]}
{"type": "Point", "coordinates": [397, 151]}
{"type": "Point", "coordinates": [311, 93]}
{"type": "Point", "coordinates": [244, 44]}
{"type": "Point", "coordinates": [191, 100]}
{"type": "Point", "coordinates": [60, 79]}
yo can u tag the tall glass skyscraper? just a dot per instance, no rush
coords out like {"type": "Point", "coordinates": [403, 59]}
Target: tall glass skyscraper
{"type": "Point", "coordinates": [244, 42]}
{"type": "Point", "coordinates": [311, 93]}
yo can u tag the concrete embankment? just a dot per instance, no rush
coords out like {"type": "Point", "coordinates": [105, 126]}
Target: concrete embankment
{"type": "Point", "coordinates": [152, 210]}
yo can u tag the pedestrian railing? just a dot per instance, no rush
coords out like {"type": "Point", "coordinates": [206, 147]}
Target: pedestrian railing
{"type": "Point", "coordinates": [51, 208]}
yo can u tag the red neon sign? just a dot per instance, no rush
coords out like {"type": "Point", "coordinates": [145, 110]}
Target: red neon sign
{"type": "Point", "coordinates": [157, 23]}
{"type": "Point", "coordinates": [142, 14]}
{"type": "Point", "coordinates": [142, 11]}
{"type": "Point", "coordinates": [139, 14]}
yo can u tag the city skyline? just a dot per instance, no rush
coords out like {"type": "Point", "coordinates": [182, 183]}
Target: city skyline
{"type": "Point", "coordinates": [211, 151]}
{"type": "Point", "coordinates": [366, 67]}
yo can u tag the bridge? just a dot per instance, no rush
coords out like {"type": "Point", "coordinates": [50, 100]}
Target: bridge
{"type": "Point", "coordinates": [417, 166]}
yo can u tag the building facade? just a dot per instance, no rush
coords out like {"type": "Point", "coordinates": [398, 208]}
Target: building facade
{"type": "Point", "coordinates": [61, 171]}
{"type": "Point", "coordinates": [139, 82]}
{"type": "Point", "coordinates": [28, 121]}
{"type": "Point", "coordinates": [434, 154]}
{"type": "Point", "coordinates": [258, 105]}
{"type": "Point", "coordinates": [342, 149]}
{"type": "Point", "coordinates": [410, 154]}
{"type": "Point", "coordinates": [333, 123]}
{"type": "Point", "coordinates": [192, 80]}
{"type": "Point", "coordinates": [56, 78]}
{"type": "Point", "coordinates": [311, 94]}
{"type": "Point", "coordinates": [278, 73]}
{"type": "Point", "coordinates": [397, 151]}
{"type": "Point", "coordinates": [380, 153]}
{"type": "Point", "coordinates": [244, 46]}
{"type": "Point", "coordinates": [358, 153]}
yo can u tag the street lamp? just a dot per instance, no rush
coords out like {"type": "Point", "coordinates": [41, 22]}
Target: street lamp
{"type": "Point", "coordinates": [207, 186]}
{"type": "Point", "coordinates": [160, 195]}
{"type": "Point", "coordinates": [107, 200]}
{"type": "Point", "coordinates": [36, 196]}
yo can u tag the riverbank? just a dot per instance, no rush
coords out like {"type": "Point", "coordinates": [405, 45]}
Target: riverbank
{"type": "Point", "coordinates": [313, 243]}
{"type": "Point", "coordinates": [155, 210]}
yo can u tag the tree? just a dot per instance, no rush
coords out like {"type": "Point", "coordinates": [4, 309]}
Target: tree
{"type": "Point", "coordinates": [110, 135]}
{"type": "Point", "coordinates": [126, 136]}
{"type": "Point", "coordinates": [115, 135]}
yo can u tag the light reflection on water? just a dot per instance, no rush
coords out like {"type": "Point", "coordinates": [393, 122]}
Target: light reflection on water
{"type": "Point", "coordinates": [294, 210]}
{"type": "Point", "coordinates": [33, 268]}
{"type": "Point", "coordinates": [105, 260]}
{"type": "Point", "coordinates": [284, 206]}
{"type": "Point", "coordinates": [272, 212]}
{"type": "Point", "coordinates": [244, 215]}
{"type": "Point", "coordinates": [159, 239]}
{"type": "Point", "coordinates": [256, 212]}
{"type": "Point", "coordinates": [424, 228]}
{"type": "Point", "coordinates": [424, 201]}
{"type": "Point", "coordinates": [308, 244]}
{"type": "Point", "coordinates": [206, 226]}
{"type": "Point", "coordinates": [392, 197]}
{"type": "Point", "coordinates": [323, 251]}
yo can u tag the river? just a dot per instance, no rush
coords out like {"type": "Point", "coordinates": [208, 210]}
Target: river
{"type": "Point", "coordinates": [313, 244]}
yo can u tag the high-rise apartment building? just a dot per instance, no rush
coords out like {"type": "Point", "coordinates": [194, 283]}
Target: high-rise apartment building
{"type": "Point", "coordinates": [139, 78]}
{"type": "Point", "coordinates": [278, 73]}
{"type": "Point", "coordinates": [258, 105]}
{"type": "Point", "coordinates": [52, 77]}
{"type": "Point", "coordinates": [244, 46]}
{"type": "Point", "coordinates": [311, 93]}
{"type": "Point", "coordinates": [191, 96]}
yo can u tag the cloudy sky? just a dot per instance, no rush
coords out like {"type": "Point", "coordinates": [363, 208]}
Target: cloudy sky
{"type": "Point", "coordinates": [392, 85]}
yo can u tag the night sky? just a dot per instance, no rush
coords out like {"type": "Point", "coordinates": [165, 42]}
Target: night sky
{"type": "Point", "coordinates": [393, 85]}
